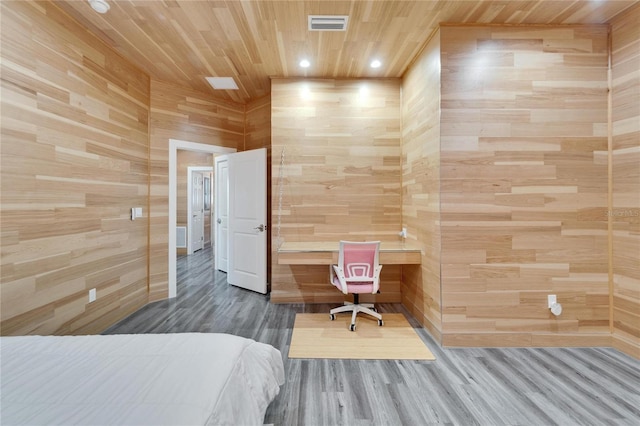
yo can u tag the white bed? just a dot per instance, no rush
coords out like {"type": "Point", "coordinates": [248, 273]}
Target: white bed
{"type": "Point", "coordinates": [143, 379]}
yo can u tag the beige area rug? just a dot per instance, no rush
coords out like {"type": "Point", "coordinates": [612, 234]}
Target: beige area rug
{"type": "Point", "coordinates": [316, 336]}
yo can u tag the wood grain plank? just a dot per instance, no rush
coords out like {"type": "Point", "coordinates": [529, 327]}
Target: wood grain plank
{"type": "Point", "coordinates": [183, 42]}
{"type": "Point", "coordinates": [340, 178]}
{"type": "Point", "coordinates": [624, 212]}
{"type": "Point", "coordinates": [74, 161]}
{"type": "Point", "coordinates": [421, 186]}
{"type": "Point", "coordinates": [518, 176]}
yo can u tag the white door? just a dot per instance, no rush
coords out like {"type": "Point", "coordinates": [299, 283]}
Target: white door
{"type": "Point", "coordinates": [221, 212]}
{"type": "Point", "coordinates": [208, 208]}
{"type": "Point", "coordinates": [248, 220]}
{"type": "Point", "coordinates": [197, 212]}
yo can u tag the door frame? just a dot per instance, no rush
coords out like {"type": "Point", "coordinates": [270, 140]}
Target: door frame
{"type": "Point", "coordinates": [218, 160]}
{"type": "Point", "coordinates": [190, 170]}
{"type": "Point", "coordinates": [174, 146]}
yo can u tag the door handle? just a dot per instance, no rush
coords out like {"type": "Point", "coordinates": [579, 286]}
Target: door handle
{"type": "Point", "coordinates": [260, 228]}
{"type": "Point", "coordinates": [219, 220]}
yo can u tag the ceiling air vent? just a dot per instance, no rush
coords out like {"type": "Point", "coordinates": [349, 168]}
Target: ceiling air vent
{"type": "Point", "coordinates": [327, 23]}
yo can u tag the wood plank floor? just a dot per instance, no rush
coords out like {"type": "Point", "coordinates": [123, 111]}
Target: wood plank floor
{"type": "Point", "coordinates": [515, 386]}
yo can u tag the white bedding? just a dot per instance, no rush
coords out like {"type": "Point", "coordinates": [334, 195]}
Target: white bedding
{"type": "Point", "coordinates": [144, 379]}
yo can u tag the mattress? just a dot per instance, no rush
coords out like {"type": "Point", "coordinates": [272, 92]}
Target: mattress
{"type": "Point", "coordinates": [143, 379]}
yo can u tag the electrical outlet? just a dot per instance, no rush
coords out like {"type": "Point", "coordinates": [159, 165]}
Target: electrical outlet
{"type": "Point", "coordinates": [92, 295]}
{"type": "Point", "coordinates": [551, 300]}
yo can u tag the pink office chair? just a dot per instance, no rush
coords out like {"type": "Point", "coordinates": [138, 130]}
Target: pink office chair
{"type": "Point", "coordinates": [357, 272]}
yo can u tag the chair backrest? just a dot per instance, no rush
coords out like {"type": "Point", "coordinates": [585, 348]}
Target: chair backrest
{"type": "Point", "coordinates": [358, 259]}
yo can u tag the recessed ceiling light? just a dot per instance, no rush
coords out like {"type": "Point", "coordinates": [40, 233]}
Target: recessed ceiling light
{"type": "Point", "coordinates": [305, 63]}
{"type": "Point", "coordinates": [100, 6]}
{"type": "Point", "coordinates": [222, 83]}
{"type": "Point", "coordinates": [375, 64]}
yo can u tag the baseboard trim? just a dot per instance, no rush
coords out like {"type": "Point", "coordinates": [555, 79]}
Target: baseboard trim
{"type": "Point", "coordinates": [432, 328]}
{"type": "Point", "coordinates": [525, 340]}
{"type": "Point", "coordinates": [626, 346]}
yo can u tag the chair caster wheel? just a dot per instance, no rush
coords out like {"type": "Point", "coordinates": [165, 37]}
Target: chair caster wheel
{"type": "Point", "coordinates": [352, 327]}
{"type": "Point", "coordinates": [380, 323]}
{"type": "Point", "coordinates": [332, 316]}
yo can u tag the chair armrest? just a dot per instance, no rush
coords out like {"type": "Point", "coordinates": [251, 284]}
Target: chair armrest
{"type": "Point", "coordinates": [376, 278]}
{"type": "Point", "coordinates": [338, 272]}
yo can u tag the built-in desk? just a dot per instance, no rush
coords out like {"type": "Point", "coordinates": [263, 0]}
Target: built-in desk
{"type": "Point", "coordinates": [326, 253]}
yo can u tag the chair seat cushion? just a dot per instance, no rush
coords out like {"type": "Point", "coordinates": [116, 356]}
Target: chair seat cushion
{"type": "Point", "coordinates": [359, 288]}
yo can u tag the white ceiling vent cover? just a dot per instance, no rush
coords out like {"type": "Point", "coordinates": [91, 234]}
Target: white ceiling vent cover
{"type": "Point", "coordinates": [328, 22]}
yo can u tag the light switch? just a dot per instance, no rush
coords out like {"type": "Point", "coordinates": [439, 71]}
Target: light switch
{"type": "Point", "coordinates": [136, 212]}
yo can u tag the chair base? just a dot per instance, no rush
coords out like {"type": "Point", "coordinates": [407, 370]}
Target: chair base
{"type": "Point", "coordinates": [365, 308]}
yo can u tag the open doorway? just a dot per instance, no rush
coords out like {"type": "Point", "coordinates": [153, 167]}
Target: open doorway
{"type": "Point", "coordinates": [196, 212]}
{"type": "Point", "coordinates": [174, 146]}
{"type": "Point", "coordinates": [193, 206]}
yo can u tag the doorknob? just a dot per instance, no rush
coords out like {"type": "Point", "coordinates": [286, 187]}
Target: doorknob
{"type": "Point", "coordinates": [260, 228]}
{"type": "Point", "coordinates": [219, 220]}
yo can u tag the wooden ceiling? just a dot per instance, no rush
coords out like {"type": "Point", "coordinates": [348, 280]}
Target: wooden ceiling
{"type": "Point", "coordinates": [184, 41]}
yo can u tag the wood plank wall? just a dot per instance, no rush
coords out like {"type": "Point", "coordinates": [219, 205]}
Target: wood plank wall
{"type": "Point", "coordinates": [625, 212]}
{"type": "Point", "coordinates": [524, 185]}
{"type": "Point", "coordinates": [186, 159]}
{"type": "Point", "coordinates": [257, 134]}
{"type": "Point", "coordinates": [521, 164]}
{"type": "Point", "coordinates": [341, 177]}
{"type": "Point", "coordinates": [74, 161]}
{"type": "Point", "coordinates": [184, 114]}
{"type": "Point", "coordinates": [258, 124]}
{"type": "Point", "coordinates": [421, 184]}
